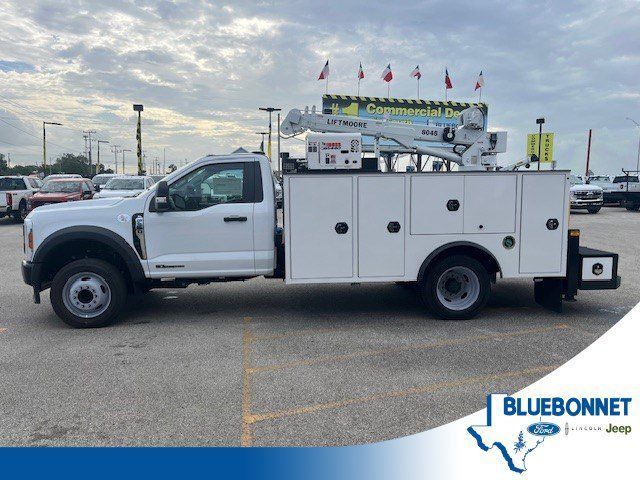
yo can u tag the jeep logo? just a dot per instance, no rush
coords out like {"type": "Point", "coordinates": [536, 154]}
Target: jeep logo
{"type": "Point", "coordinates": [543, 429]}
{"type": "Point", "coordinates": [597, 269]}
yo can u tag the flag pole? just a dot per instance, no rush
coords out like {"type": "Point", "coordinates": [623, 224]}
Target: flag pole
{"type": "Point", "coordinates": [326, 88]}
{"type": "Point", "coordinates": [480, 96]}
{"type": "Point", "coordinates": [418, 88]}
{"type": "Point", "coordinates": [358, 83]}
{"type": "Point", "coordinates": [388, 88]}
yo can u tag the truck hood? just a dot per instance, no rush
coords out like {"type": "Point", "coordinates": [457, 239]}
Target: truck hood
{"type": "Point", "coordinates": [75, 206]}
{"type": "Point", "coordinates": [585, 188]}
{"type": "Point", "coordinates": [118, 193]}
{"type": "Point", "coordinates": [54, 197]}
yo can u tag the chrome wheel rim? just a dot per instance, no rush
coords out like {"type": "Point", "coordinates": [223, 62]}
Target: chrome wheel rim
{"type": "Point", "coordinates": [86, 294]}
{"type": "Point", "coordinates": [458, 288]}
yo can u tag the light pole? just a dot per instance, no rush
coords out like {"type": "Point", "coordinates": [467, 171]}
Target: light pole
{"type": "Point", "coordinates": [115, 150]}
{"type": "Point", "coordinates": [125, 150]}
{"type": "Point", "coordinates": [98, 162]}
{"type": "Point", "coordinates": [539, 121]}
{"type": "Point", "coordinates": [638, 160]}
{"type": "Point", "coordinates": [44, 143]}
{"type": "Point", "coordinates": [88, 134]}
{"type": "Point", "coordinates": [137, 107]}
{"type": "Point", "coordinates": [270, 110]}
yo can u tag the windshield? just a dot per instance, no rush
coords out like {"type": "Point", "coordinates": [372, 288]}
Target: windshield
{"type": "Point", "coordinates": [61, 187]}
{"type": "Point", "coordinates": [101, 179]}
{"type": "Point", "coordinates": [575, 180]}
{"type": "Point", "coordinates": [125, 184]}
{"type": "Point", "coordinates": [599, 178]}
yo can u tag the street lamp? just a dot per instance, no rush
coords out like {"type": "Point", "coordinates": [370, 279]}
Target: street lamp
{"type": "Point", "coordinates": [638, 160]}
{"type": "Point", "coordinates": [44, 144]}
{"type": "Point", "coordinates": [539, 121]}
{"type": "Point", "coordinates": [270, 110]}
{"type": "Point", "coordinates": [124, 150]}
{"type": "Point", "coordinates": [98, 163]}
{"type": "Point", "coordinates": [137, 107]}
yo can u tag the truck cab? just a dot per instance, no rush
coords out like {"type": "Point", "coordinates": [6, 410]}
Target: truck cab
{"type": "Point", "coordinates": [219, 224]}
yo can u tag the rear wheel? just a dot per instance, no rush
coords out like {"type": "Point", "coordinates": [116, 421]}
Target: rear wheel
{"type": "Point", "coordinates": [456, 288]}
{"type": "Point", "coordinates": [593, 209]}
{"type": "Point", "coordinates": [88, 293]}
{"type": "Point", "coordinates": [22, 212]}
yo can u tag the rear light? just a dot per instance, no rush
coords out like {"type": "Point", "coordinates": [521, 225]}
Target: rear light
{"type": "Point", "coordinates": [30, 240]}
{"type": "Point", "coordinates": [9, 200]}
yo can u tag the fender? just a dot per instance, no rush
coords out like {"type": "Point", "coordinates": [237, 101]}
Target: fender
{"type": "Point", "coordinates": [447, 246]}
{"type": "Point", "coordinates": [89, 232]}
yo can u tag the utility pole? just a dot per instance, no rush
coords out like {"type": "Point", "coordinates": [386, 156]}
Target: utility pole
{"type": "Point", "coordinates": [88, 133]}
{"type": "Point", "coordinates": [124, 150]}
{"type": "Point", "coordinates": [279, 160]}
{"type": "Point", "coordinates": [137, 107]}
{"type": "Point", "coordinates": [638, 159]}
{"type": "Point", "coordinates": [44, 144]}
{"type": "Point", "coordinates": [114, 149]}
{"type": "Point", "coordinates": [270, 110]}
{"type": "Point", "coordinates": [164, 161]}
{"type": "Point", "coordinates": [98, 162]}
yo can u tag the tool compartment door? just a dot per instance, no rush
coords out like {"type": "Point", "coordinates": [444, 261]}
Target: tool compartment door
{"type": "Point", "coordinates": [490, 203]}
{"type": "Point", "coordinates": [543, 226]}
{"type": "Point", "coordinates": [319, 210]}
{"type": "Point", "coordinates": [437, 204]}
{"type": "Point", "coordinates": [381, 226]}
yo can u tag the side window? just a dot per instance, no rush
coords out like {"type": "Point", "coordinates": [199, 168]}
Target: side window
{"type": "Point", "coordinates": [85, 187]}
{"type": "Point", "coordinates": [212, 185]}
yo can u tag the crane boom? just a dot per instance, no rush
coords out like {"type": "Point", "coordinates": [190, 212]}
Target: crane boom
{"type": "Point", "coordinates": [468, 144]}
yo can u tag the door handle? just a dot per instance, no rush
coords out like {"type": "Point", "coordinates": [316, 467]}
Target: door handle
{"type": "Point", "coordinates": [235, 218]}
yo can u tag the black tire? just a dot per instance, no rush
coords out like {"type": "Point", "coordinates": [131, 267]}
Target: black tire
{"type": "Point", "coordinates": [593, 209]}
{"type": "Point", "coordinates": [111, 276]}
{"type": "Point", "coordinates": [428, 287]}
{"type": "Point", "coordinates": [22, 213]}
{"type": "Point", "coordinates": [633, 208]}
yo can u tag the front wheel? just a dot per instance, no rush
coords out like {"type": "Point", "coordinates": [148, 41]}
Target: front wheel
{"type": "Point", "coordinates": [88, 293]}
{"type": "Point", "coordinates": [593, 209]}
{"type": "Point", "coordinates": [456, 287]}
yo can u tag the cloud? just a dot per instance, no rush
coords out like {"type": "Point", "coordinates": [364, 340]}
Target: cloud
{"type": "Point", "coordinates": [203, 68]}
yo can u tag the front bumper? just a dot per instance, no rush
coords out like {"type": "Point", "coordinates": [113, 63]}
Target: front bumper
{"type": "Point", "coordinates": [31, 276]}
{"type": "Point", "coordinates": [575, 203]}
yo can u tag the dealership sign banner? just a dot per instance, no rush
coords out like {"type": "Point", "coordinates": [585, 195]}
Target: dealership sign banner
{"type": "Point", "coordinates": [404, 110]}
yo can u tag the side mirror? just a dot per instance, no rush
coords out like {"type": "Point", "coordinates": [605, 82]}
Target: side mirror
{"type": "Point", "coordinates": [162, 197]}
{"type": "Point", "coordinates": [97, 187]}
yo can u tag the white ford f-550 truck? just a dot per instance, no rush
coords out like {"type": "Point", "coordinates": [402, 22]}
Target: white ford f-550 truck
{"type": "Point", "coordinates": [451, 234]}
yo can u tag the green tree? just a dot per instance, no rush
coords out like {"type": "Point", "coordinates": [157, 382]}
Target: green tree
{"type": "Point", "coordinates": [70, 163]}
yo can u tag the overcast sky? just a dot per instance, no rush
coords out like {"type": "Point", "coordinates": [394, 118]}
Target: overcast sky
{"type": "Point", "coordinates": [202, 69]}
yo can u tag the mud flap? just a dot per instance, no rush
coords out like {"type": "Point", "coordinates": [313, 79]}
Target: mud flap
{"type": "Point", "coordinates": [548, 293]}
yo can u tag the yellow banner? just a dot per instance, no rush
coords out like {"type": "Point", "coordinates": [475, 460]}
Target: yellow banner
{"type": "Point", "coordinates": [546, 152]}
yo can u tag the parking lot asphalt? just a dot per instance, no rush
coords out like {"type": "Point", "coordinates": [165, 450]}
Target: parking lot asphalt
{"type": "Point", "coordinates": [261, 363]}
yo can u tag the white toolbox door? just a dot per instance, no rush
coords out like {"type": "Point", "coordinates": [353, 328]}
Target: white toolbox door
{"type": "Point", "coordinates": [316, 206]}
{"type": "Point", "coordinates": [490, 203]}
{"type": "Point", "coordinates": [543, 199]}
{"type": "Point", "coordinates": [381, 202]}
{"type": "Point", "coordinates": [430, 195]}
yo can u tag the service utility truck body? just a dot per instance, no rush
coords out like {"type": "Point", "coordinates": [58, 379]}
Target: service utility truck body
{"type": "Point", "coordinates": [449, 234]}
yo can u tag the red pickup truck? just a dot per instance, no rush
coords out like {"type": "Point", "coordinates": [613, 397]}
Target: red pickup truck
{"type": "Point", "coordinates": [62, 190]}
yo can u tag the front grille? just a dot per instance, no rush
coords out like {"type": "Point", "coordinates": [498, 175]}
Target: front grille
{"type": "Point", "coordinates": [587, 195]}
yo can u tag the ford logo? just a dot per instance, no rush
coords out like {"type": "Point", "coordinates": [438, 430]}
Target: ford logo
{"type": "Point", "coordinates": [543, 429]}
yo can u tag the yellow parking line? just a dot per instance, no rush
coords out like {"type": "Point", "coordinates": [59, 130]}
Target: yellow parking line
{"type": "Point", "coordinates": [307, 331]}
{"type": "Point", "coordinates": [396, 394]}
{"type": "Point", "coordinates": [403, 348]}
{"type": "Point", "coordinates": [246, 438]}
{"type": "Point", "coordinates": [2, 330]}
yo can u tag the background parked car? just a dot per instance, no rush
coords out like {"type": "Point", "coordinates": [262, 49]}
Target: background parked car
{"type": "Point", "coordinates": [585, 196]}
{"type": "Point", "coordinates": [61, 190]}
{"type": "Point", "coordinates": [278, 190]}
{"type": "Point", "coordinates": [14, 192]}
{"type": "Point", "coordinates": [101, 179]}
{"type": "Point", "coordinates": [53, 176]}
{"type": "Point", "coordinates": [125, 186]}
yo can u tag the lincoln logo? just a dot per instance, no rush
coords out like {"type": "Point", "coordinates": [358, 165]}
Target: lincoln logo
{"type": "Point", "coordinates": [597, 269]}
{"type": "Point", "coordinates": [543, 429]}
